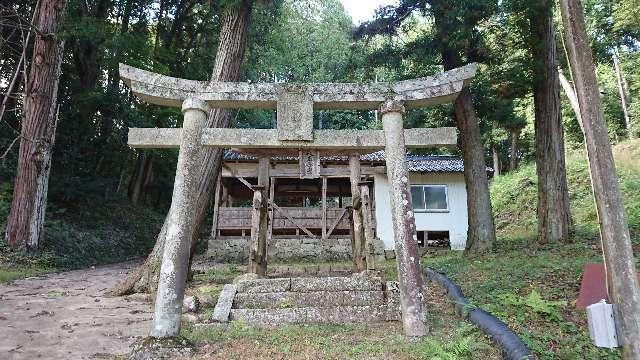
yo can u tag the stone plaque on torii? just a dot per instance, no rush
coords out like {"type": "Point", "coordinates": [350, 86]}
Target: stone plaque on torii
{"type": "Point", "coordinates": [295, 104]}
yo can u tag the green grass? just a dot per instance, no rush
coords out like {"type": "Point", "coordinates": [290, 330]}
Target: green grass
{"type": "Point", "coordinates": [514, 196]}
{"type": "Point", "coordinates": [341, 342]}
{"type": "Point", "coordinates": [7, 275]}
{"type": "Point", "coordinates": [222, 275]}
{"type": "Point", "coordinates": [533, 287]}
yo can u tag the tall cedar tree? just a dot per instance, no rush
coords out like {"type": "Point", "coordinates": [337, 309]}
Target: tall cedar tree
{"type": "Point", "coordinates": [453, 22]}
{"type": "Point", "coordinates": [25, 225]}
{"type": "Point", "coordinates": [554, 216]}
{"type": "Point", "coordinates": [231, 48]}
{"type": "Point", "coordinates": [622, 277]}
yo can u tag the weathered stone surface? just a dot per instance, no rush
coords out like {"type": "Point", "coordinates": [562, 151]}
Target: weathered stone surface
{"type": "Point", "coordinates": [246, 277]}
{"type": "Point", "coordinates": [295, 114]}
{"type": "Point", "coordinates": [169, 91]}
{"type": "Point", "coordinates": [378, 249]}
{"type": "Point", "coordinates": [190, 318]}
{"type": "Point", "coordinates": [175, 258]}
{"type": "Point", "coordinates": [336, 284]}
{"type": "Point", "coordinates": [205, 300]}
{"type": "Point", "coordinates": [334, 315]}
{"type": "Point", "coordinates": [320, 299]}
{"type": "Point", "coordinates": [326, 140]}
{"type": "Point", "coordinates": [225, 302]}
{"type": "Point", "coordinates": [236, 249]}
{"type": "Point", "coordinates": [161, 349]}
{"type": "Point", "coordinates": [190, 304]}
{"type": "Point", "coordinates": [404, 227]}
{"type": "Point", "coordinates": [392, 292]}
{"type": "Point", "coordinates": [270, 317]}
{"type": "Point", "coordinates": [264, 285]}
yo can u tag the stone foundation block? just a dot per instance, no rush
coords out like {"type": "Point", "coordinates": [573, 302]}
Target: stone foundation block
{"type": "Point", "coordinates": [334, 315]}
{"type": "Point", "coordinates": [336, 284]}
{"type": "Point", "coordinates": [320, 299]}
{"type": "Point", "coordinates": [264, 285]}
{"type": "Point", "coordinates": [225, 302]}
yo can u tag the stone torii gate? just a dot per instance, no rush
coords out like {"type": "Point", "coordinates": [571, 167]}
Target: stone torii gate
{"type": "Point", "coordinates": [295, 104]}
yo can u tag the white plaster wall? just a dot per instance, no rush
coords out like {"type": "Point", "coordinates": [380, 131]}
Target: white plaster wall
{"type": "Point", "coordinates": [454, 221]}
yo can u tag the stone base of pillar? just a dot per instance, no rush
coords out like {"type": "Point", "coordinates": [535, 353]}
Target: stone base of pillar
{"type": "Point", "coordinates": [168, 348]}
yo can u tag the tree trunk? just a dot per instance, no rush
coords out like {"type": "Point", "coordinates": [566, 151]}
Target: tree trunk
{"type": "Point", "coordinates": [496, 161]}
{"type": "Point", "coordinates": [481, 234]}
{"type": "Point", "coordinates": [141, 179]}
{"type": "Point", "coordinates": [614, 228]}
{"type": "Point", "coordinates": [624, 97]}
{"type": "Point", "coordinates": [26, 218]}
{"type": "Point", "coordinates": [513, 150]}
{"type": "Point", "coordinates": [232, 44]}
{"type": "Point", "coordinates": [554, 216]}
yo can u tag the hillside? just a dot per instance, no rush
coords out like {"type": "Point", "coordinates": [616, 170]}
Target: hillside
{"type": "Point", "coordinates": [514, 195]}
{"type": "Point", "coordinates": [81, 234]}
{"type": "Point", "coordinates": [533, 287]}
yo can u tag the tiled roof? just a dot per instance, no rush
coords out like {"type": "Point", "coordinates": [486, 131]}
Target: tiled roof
{"type": "Point", "coordinates": [415, 163]}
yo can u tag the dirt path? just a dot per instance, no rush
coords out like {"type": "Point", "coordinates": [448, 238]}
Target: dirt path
{"type": "Point", "coordinates": [67, 316]}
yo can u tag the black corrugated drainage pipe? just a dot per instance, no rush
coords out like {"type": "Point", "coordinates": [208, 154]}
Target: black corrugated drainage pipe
{"type": "Point", "coordinates": [511, 345]}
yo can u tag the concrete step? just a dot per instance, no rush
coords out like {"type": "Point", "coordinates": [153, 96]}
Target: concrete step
{"type": "Point", "coordinates": [337, 283]}
{"type": "Point", "coordinates": [307, 315]}
{"type": "Point", "coordinates": [320, 299]}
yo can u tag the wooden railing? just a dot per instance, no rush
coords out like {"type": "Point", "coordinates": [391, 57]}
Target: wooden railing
{"type": "Point", "coordinates": [238, 218]}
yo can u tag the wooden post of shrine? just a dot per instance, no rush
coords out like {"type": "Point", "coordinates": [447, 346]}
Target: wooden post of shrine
{"type": "Point", "coordinates": [324, 207]}
{"type": "Point", "coordinates": [175, 258]}
{"type": "Point", "coordinates": [216, 207]}
{"type": "Point", "coordinates": [270, 209]}
{"type": "Point", "coordinates": [367, 218]}
{"type": "Point", "coordinates": [259, 227]}
{"type": "Point", "coordinates": [404, 226]}
{"type": "Point", "coordinates": [359, 258]}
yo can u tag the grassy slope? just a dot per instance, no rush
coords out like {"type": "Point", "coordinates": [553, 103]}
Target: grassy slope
{"type": "Point", "coordinates": [533, 288]}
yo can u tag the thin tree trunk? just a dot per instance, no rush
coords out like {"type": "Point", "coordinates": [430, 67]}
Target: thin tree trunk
{"type": "Point", "coordinates": [554, 216]}
{"type": "Point", "coordinates": [26, 218]}
{"type": "Point", "coordinates": [571, 95]}
{"type": "Point", "coordinates": [232, 44]}
{"type": "Point", "coordinates": [496, 161]}
{"type": "Point", "coordinates": [514, 134]}
{"type": "Point", "coordinates": [614, 228]}
{"type": "Point", "coordinates": [624, 97]}
{"type": "Point", "coordinates": [140, 178]}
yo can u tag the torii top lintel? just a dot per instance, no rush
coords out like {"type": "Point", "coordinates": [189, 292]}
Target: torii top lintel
{"type": "Point", "coordinates": [295, 104]}
{"type": "Point", "coordinates": [169, 91]}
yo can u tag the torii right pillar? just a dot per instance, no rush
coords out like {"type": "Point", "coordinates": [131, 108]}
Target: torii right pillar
{"type": "Point", "coordinates": [404, 226]}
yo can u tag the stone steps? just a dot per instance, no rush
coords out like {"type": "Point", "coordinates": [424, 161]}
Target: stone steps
{"type": "Point", "coordinates": [306, 284]}
{"type": "Point", "coordinates": [320, 299]}
{"type": "Point", "coordinates": [313, 315]}
{"type": "Point", "coordinates": [327, 300]}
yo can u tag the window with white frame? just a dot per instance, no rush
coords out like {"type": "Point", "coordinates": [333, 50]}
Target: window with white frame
{"type": "Point", "coordinates": [429, 197]}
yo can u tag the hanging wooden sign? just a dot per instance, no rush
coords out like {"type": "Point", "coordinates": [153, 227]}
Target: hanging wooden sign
{"type": "Point", "coordinates": [309, 164]}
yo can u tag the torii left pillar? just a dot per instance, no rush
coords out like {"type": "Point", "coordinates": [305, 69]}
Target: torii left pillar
{"type": "Point", "coordinates": [175, 259]}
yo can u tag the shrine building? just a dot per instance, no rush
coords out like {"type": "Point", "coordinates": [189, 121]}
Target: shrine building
{"type": "Point", "coordinates": [311, 218]}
